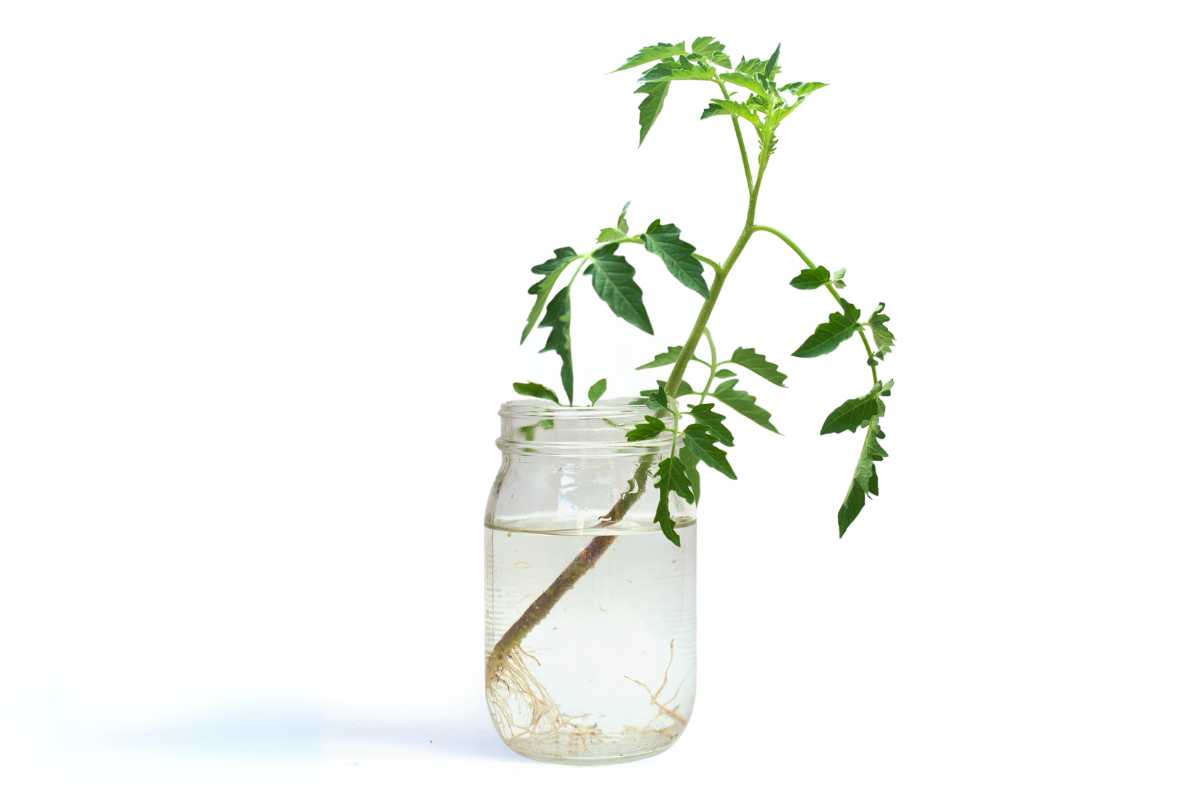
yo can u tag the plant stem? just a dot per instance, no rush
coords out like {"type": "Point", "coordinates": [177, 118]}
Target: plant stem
{"type": "Point", "coordinates": [599, 545]}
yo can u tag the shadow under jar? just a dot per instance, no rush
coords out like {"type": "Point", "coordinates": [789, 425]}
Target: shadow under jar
{"type": "Point", "coordinates": [591, 620]}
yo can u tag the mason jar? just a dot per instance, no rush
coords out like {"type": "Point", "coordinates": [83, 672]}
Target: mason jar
{"type": "Point", "coordinates": [591, 611]}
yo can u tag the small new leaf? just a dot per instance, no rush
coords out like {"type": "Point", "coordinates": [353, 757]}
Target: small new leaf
{"type": "Point", "coordinates": [744, 403]}
{"type": "Point", "coordinates": [884, 339]}
{"type": "Point", "coordinates": [654, 52]}
{"type": "Point", "coordinates": [725, 373]}
{"type": "Point", "coordinates": [536, 390]}
{"type": "Point", "coordinates": [750, 82]}
{"type": "Point", "coordinates": [812, 278]}
{"type": "Point", "coordinates": [801, 89]}
{"type": "Point", "coordinates": [664, 359]}
{"type": "Point", "coordinates": [854, 413]}
{"type": "Point", "coordinates": [700, 440]}
{"type": "Point", "coordinates": [664, 242]}
{"type": "Point", "coordinates": [733, 108]}
{"type": "Point", "coordinates": [646, 429]}
{"type": "Point", "coordinates": [715, 422]}
{"type": "Point", "coordinates": [710, 49]}
{"type": "Point", "coordinates": [612, 278]}
{"type": "Point", "coordinates": [558, 320]}
{"type": "Point", "coordinates": [758, 364]}
{"type": "Point", "coordinates": [828, 335]}
{"type": "Point", "coordinates": [597, 390]}
{"type": "Point", "coordinates": [549, 270]}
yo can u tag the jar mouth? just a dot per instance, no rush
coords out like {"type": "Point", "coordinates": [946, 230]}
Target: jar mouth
{"type": "Point", "coordinates": [541, 424]}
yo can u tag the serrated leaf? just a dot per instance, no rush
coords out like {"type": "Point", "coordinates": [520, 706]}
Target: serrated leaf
{"type": "Point", "coordinates": [612, 278]}
{"type": "Point", "coordinates": [537, 390]}
{"type": "Point", "coordinates": [866, 478]}
{"type": "Point", "coordinates": [664, 242]}
{"type": "Point", "coordinates": [549, 270]}
{"type": "Point", "coordinates": [672, 473]}
{"type": "Point", "coordinates": [705, 415]}
{"type": "Point", "coordinates": [558, 320]}
{"type": "Point", "coordinates": [749, 82]}
{"type": "Point", "coordinates": [655, 399]}
{"type": "Point", "coordinates": [662, 515]}
{"type": "Point", "coordinates": [811, 278]}
{"type": "Point", "coordinates": [772, 65]}
{"type": "Point", "coordinates": [610, 235]}
{"type": "Point", "coordinates": [884, 339]}
{"type": "Point", "coordinates": [758, 364]}
{"type": "Point", "coordinates": [597, 390]}
{"type": "Point", "coordinates": [710, 49]}
{"type": "Point", "coordinates": [828, 335]}
{"type": "Point", "coordinates": [733, 108]}
{"type": "Point", "coordinates": [801, 89]}
{"type": "Point", "coordinates": [690, 460]}
{"type": "Point", "coordinates": [700, 440]}
{"type": "Point", "coordinates": [755, 66]}
{"type": "Point", "coordinates": [744, 403]}
{"type": "Point", "coordinates": [651, 105]}
{"type": "Point", "coordinates": [653, 52]}
{"type": "Point", "coordinates": [854, 413]}
{"type": "Point", "coordinates": [664, 359]}
{"type": "Point", "coordinates": [680, 69]}
{"type": "Point", "coordinates": [646, 429]}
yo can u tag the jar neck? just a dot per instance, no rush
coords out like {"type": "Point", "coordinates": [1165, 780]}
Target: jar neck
{"type": "Point", "coordinates": [537, 425]}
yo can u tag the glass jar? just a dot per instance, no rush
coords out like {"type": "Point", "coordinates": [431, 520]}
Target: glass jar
{"type": "Point", "coordinates": [591, 611]}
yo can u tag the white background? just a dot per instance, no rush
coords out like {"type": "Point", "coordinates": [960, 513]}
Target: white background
{"type": "Point", "coordinates": [262, 272]}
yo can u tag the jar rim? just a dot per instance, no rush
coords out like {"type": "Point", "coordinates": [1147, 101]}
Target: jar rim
{"type": "Point", "coordinates": [623, 407]}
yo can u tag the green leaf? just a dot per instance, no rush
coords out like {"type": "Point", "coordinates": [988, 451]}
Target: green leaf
{"type": "Point", "coordinates": [811, 278]}
{"type": "Point", "coordinates": [733, 108]}
{"type": "Point", "coordinates": [550, 270]}
{"type": "Point", "coordinates": [609, 235]}
{"type": "Point", "coordinates": [558, 320]}
{"type": "Point", "coordinates": [715, 422]}
{"type": "Point", "coordinates": [597, 391]}
{"type": "Point", "coordinates": [647, 429]}
{"type": "Point", "coordinates": [700, 440]}
{"type": "Point", "coordinates": [744, 403]}
{"type": "Point", "coordinates": [690, 460]}
{"type": "Point", "coordinates": [801, 89]}
{"type": "Point", "coordinates": [655, 399]}
{"type": "Point", "coordinates": [855, 413]}
{"type": "Point", "coordinates": [662, 515]}
{"type": "Point", "coordinates": [672, 473]}
{"type": "Point", "coordinates": [536, 390]}
{"type": "Point", "coordinates": [866, 478]}
{"type": "Point", "coordinates": [612, 278]}
{"type": "Point", "coordinates": [652, 52]}
{"type": "Point", "coordinates": [884, 339]}
{"type": "Point", "coordinates": [664, 359]}
{"type": "Point", "coordinates": [828, 335]}
{"type": "Point", "coordinates": [710, 49]}
{"type": "Point", "coordinates": [758, 364]}
{"type": "Point", "coordinates": [651, 105]}
{"type": "Point", "coordinates": [622, 224]}
{"type": "Point", "coordinates": [750, 82]}
{"type": "Point", "coordinates": [772, 65]}
{"type": "Point", "coordinates": [672, 476]}
{"type": "Point", "coordinates": [664, 242]}
{"type": "Point", "coordinates": [681, 69]}
{"type": "Point", "coordinates": [725, 373]}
